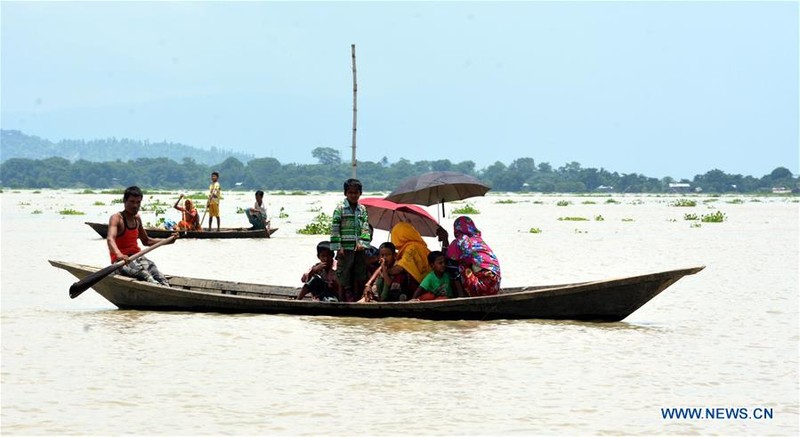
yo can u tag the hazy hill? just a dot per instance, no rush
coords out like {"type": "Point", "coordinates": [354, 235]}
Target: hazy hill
{"type": "Point", "coordinates": [15, 144]}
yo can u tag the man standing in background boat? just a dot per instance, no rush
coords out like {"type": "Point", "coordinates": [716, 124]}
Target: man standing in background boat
{"type": "Point", "coordinates": [124, 228]}
{"type": "Point", "coordinates": [214, 194]}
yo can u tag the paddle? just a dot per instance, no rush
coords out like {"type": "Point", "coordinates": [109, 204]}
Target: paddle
{"type": "Point", "coordinates": [208, 203]}
{"type": "Point", "coordinates": [84, 284]}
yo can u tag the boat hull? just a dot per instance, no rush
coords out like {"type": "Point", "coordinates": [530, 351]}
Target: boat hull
{"type": "Point", "coordinates": [224, 233]}
{"type": "Point", "coordinates": [602, 301]}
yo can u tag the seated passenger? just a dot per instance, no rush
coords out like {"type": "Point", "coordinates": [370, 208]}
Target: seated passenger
{"type": "Point", "coordinates": [320, 279]}
{"type": "Point", "coordinates": [437, 284]}
{"type": "Point", "coordinates": [257, 215]}
{"type": "Point", "coordinates": [190, 220]}
{"type": "Point", "coordinates": [390, 287]}
{"type": "Point", "coordinates": [412, 252]}
{"type": "Point", "coordinates": [478, 267]}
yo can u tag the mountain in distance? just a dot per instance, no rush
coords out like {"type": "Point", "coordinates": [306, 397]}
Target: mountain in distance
{"type": "Point", "coordinates": [15, 144]}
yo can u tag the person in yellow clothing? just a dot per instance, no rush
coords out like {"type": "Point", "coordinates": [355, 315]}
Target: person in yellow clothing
{"type": "Point", "coordinates": [214, 194]}
{"type": "Point", "coordinates": [412, 252]}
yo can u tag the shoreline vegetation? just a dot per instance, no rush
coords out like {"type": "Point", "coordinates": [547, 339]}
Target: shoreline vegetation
{"type": "Point", "coordinates": [30, 162]}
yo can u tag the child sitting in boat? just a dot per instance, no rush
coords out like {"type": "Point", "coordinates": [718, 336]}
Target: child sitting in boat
{"type": "Point", "coordinates": [437, 284]}
{"type": "Point", "coordinates": [391, 285]}
{"type": "Point", "coordinates": [320, 280]}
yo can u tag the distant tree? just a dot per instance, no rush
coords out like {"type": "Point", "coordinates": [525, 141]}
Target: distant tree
{"type": "Point", "coordinates": [327, 156]}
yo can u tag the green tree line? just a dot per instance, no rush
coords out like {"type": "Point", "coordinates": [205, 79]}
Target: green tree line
{"type": "Point", "coordinates": [521, 175]}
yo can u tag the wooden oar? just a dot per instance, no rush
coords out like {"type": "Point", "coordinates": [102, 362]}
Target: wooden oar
{"type": "Point", "coordinates": [208, 203]}
{"type": "Point", "coordinates": [84, 284]}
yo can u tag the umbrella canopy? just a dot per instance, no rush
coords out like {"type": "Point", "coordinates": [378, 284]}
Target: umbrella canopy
{"type": "Point", "coordinates": [437, 187]}
{"type": "Point", "coordinates": [384, 214]}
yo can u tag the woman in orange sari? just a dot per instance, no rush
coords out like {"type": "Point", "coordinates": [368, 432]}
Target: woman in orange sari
{"type": "Point", "coordinates": [190, 220]}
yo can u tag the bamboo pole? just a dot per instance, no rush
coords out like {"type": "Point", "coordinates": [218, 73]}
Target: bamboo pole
{"type": "Point", "coordinates": [355, 111]}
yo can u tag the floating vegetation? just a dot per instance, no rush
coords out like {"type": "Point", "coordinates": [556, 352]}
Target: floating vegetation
{"type": "Point", "coordinates": [117, 201]}
{"type": "Point", "coordinates": [637, 202]}
{"type": "Point", "coordinates": [298, 193]}
{"type": "Point", "coordinates": [98, 203]}
{"type": "Point", "coordinates": [316, 209]}
{"type": "Point", "coordinates": [563, 203]}
{"type": "Point", "coordinates": [537, 202]}
{"type": "Point", "coordinates": [578, 231]}
{"type": "Point", "coordinates": [717, 217]}
{"type": "Point", "coordinates": [683, 203]}
{"type": "Point", "coordinates": [114, 191]}
{"type": "Point", "coordinates": [320, 226]}
{"type": "Point", "coordinates": [70, 211]}
{"type": "Point", "coordinates": [630, 220]}
{"type": "Point", "coordinates": [466, 209]}
{"type": "Point", "coordinates": [37, 211]}
{"type": "Point", "coordinates": [35, 192]}
{"type": "Point", "coordinates": [695, 225]}
{"type": "Point", "coordinates": [690, 217]}
{"type": "Point", "coordinates": [599, 218]}
{"type": "Point", "coordinates": [588, 202]}
{"type": "Point", "coordinates": [239, 210]}
{"type": "Point", "coordinates": [573, 219]}
{"type": "Point", "coordinates": [755, 200]}
{"type": "Point", "coordinates": [736, 201]}
{"type": "Point", "coordinates": [612, 201]}
{"type": "Point", "coordinates": [506, 201]}
{"type": "Point", "coordinates": [283, 214]}
{"type": "Point", "coordinates": [710, 200]}
{"type": "Point", "coordinates": [535, 231]}
{"type": "Point", "coordinates": [24, 204]}
{"type": "Point", "coordinates": [86, 191]}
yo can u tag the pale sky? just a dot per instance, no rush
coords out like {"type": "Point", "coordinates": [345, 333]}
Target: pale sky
{"type": "Point", "coordinates": [658, 88]}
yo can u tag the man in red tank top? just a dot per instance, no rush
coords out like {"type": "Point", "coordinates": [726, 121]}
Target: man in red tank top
{"type": "Point", "coordinates": [124, 228]}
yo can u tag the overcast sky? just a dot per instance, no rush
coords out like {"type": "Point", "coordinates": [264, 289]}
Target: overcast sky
{"type": "Point", "coordinates": [664, 89]}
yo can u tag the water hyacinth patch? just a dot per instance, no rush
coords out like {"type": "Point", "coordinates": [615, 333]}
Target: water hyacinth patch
{"type": "Point", "coordinates": [683, 203]}
{"type": "Point", "coordinates": [70, 211]}
{"type": "Point", "coordinates": [717, 217]}
{"type": "Point", "coordinates": [321, 225]}
{"type": "Point", "coordinates": [466, 209]}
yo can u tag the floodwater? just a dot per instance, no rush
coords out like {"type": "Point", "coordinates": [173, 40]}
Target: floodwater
{"type": "Point", "coordinates": [726, 338]}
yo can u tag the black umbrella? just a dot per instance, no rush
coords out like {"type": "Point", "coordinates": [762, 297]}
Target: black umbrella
{"type": "Point", "coordinates": [437, 187]}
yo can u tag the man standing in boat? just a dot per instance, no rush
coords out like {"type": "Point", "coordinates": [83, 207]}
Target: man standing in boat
{"type": "Point", "coordinates": [124, 228]}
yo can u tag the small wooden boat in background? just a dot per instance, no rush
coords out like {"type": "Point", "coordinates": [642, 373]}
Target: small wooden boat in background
{"type": "Point", "coordinates": [102, 229]}
{"type": "Point", "coordinates": [607, 300]}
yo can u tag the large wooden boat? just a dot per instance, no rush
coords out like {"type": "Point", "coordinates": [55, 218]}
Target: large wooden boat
{"type": "Point", "coordinates": [102, 229]}
{"type": "Point", "coordinates": [607, 300]}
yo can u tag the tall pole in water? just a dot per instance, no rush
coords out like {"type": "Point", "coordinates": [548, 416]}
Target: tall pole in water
{"type": "Point", "coordinates": [355, 90]}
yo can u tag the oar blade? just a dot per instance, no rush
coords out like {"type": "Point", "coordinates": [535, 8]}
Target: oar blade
{"type": "Point", "coordinates": [86, 283]}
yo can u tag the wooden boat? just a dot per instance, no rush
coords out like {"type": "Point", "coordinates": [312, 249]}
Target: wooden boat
{"type": "Point", "coordinates": [607, 300]}
{"type": "Point", "coordinates": [102, 229]}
